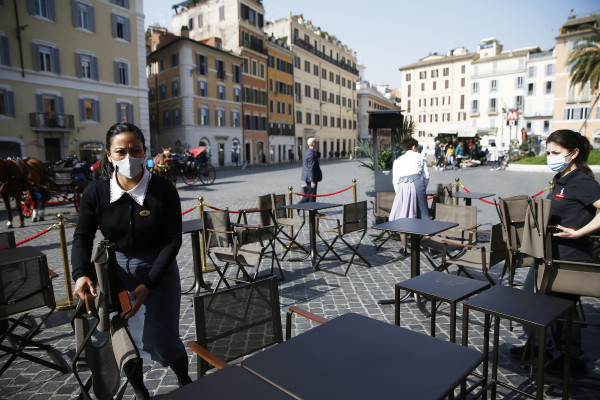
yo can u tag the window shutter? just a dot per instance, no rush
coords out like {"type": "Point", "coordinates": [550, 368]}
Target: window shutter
{"type": "Point", "coordinates": [232, 119]}
{"type": "Point", "coordinates": [126, 73]}
{"type": "Point", "coordinates": [39, 103]}
{"type": "Point", "coordinates": [95, 74]}
{"type": "Point", "coordinates": [197, 63]}
{"type": "Point", "coordinates": [205, 65]}
{"type": "Point", "coordinates": [81, 109]}
{"type": "Point", "coordinates": [5, 50]}
{"type": "Point", "coordinates": [10, 103]}
{"type": "Point", "coordinates": [97, 110]}
{"type": "Point", "coordinates": [565, 114]}
{"type": "Point", "coordinates": [92, 16]}
{"type": "Point", "coordinates": [127, 28]}
{"type": "Point", "coordinates": [74, 14]}
{"type": "Point", "coordinates": [36, 57]}
{"type": "Point", "coordinates": [116, 71]}
{"type": "Point", "coordinates": [207, 117]}
{"type": "Point", "coordinates": [51, 10]}
{"type": "Point", "coordinates": [78, 64]}
{"type": "Point", "coordinates": [56, 60]}
{"type": "Point", "coordinates": [31, 6]}
{"type": "Point", "coordinates": [130, 114]}
{"type": "Point", "coordinates": [113, 19]}
{"type": "Point", "coordinates": [119, 118]}
{"type": "Point", "coordinates": [126, 3]}
{"type": "Point", "coordinates": [60, 105]}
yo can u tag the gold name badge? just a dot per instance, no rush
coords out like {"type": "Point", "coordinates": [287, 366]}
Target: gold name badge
{"type": "Point", "coordinates": [144, 213]}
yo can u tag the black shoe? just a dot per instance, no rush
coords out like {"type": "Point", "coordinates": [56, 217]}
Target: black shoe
{"type": "Point", "coordinates": [517, 352]}
{"type": "Point", "coordinates": [555, 366]}
{"type": "Point", "coordinates": [403, 252]}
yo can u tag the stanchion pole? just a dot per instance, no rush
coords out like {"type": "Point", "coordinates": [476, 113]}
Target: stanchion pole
{"type": "Point", "coordinates": [354, 187]}
{"type": "Point", "coordinates": [68, 302]}
{"type": "Point", "coordinates": [550, 186]}
{"type": "Point", "coordinates": [291, 215]}
{"type": "Point", "coordinates": [206, 267]}
{"type": "Point", "coordinates": [457, 180]}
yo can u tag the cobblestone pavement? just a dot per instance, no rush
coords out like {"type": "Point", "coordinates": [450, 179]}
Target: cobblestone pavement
{"type": "Point", "coordinates": [322, 293]}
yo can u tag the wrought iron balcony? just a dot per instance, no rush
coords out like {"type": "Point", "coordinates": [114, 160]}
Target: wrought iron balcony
{"type": "Point", "coordinates": [51, 122]}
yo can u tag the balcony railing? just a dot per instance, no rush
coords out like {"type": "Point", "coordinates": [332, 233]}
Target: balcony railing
{"type": "Point", "coordinates": [51, 122]}
{"type": "Point", "coordinates": [308, 47]}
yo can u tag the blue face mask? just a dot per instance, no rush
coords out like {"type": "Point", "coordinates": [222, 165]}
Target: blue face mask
{"type": "Point", "coordinates": [558, 163]}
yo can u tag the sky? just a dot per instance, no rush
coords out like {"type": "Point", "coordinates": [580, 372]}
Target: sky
{"type": "Point", "coordinates": [389, 34]}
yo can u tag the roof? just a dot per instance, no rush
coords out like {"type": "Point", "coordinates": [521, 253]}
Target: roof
{"type": "Point", "coordinates": [508, 54]}
{"type": "Point", "coordinates": [441, 60]}
{"type": "Point", "coordinates": [182, 38]}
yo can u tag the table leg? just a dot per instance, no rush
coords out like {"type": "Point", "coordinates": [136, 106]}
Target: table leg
{"type": "Point", "coordinates": [453, 322]}
{"type": "Point", "coordinates": [467, 201]}
{"type": "Point", "coordinates": [313, 237]}
{"type": "Point", "coordinates": [415, 266]}
{"type": "Point", "coordinates": [567, 366]}
{"type": "Point", "coordinates": [432, 328]}
{"type": "Point", "coordinates": [495, 355]}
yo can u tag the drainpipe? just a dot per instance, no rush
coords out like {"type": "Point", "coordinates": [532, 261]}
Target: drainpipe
{"type": "Point", "coordinates": [19, 30]}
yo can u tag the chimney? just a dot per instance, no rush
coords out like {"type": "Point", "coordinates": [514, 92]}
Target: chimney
{"type": "Point", "coordinates": [185, 32]}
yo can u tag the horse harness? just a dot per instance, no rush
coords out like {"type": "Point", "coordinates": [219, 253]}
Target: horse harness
{"type": "Point", "coordinates": [16, 172]}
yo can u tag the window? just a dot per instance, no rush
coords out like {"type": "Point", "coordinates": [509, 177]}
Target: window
{"type": "Point", "coordinates": [423, 75]}
{"type": "Point", "coordinates": [306, 66]}
{"type": "Point", "coordinates": [237, 95]}
{"type": "Point", "coordinates": [298, 117]}
{"type": "Point", "coordinates": [220, 114]}
{"type": "Point", "coordinates": [462, 101]}
{"type": "Point", "coordinates": [235, 119]}
{"type": "Point", "coordinates": [87, 66]}
{"type": "Point", "coordinates": [220, 65]}
{"type": "Point", "coordinates": [254, 67]}
{"type": "Point", "coordinates": [162, 91]}
{"type": "Point", "coordinates": [200, 21]}
{"type": "Point", "coordinates": [42, 8]}
{"type": "Point", "coordinates": [462, 69]}
{"type": "Point", "coordinates": [4, 51]}
{"type": "Point", "coordinates": [120, 27]}
{"type": "Point", "coordinates": [408, 89]}
{"type": "Point", "coordinates": [151, 95]}
{"type": "Point", "coordinates": [121, 73]}
{"type": "Point", "coordinates": [549, 87]}
{"type": "Point", "coordinates": [122, 3]}
{"type": "Point", "coordinates": [174, 60]}
{"type": "Point", "coordinates": [324, 120]}
{"type": "Point", "coordinates": [434, 85]}
{"type": "Point", "coordinates": [530, 89]}
{"type": "Point", "coordinates": [317, 120]}
{"type": "Point", "coordinates": [237, 74]}
{"type": "Point", "coordinates": [175, 88]}
{"type": "Point", "coordinates": [203, 117]}
{"type": "Point", "coordinates": [446, 71]}
{"type": "Point", "coordinates": [315, 70]}
{"type": "Point", "coordinates": [531, 72]}
{"type": "Point", "coordinates": [307, 91]}
{"type": "Point", "coordinates": [549, 69]}
{"type": "Point", "coordinates": [271, 105]}
{"type": "Point", "coordinates": [519, 82]}
{"type": "Point", "coordinates": [339, 122]}
{"type": "Point", "coordinates": [246, 64]}
{"type": "Point", "coordinates": [408, 77]}
{"type": "Point", "coordinates": [492, 108]}
{"type": "Point", "coordinates": [190, 24]}
{"type": "Point", "coordinates": [462, 82]}
{"type": "Point", "coordinates": [475, 87]}
{"type": "Point", "coordinates": [166, 118]}
{"type": "Point", "coordinates": [493, 86]}
{"type": "Point", "coordinates": [221, 13]}
{"type": "Point", "coordinates": [546, 126]}
{"type": "Point", "coordinates": [324, 95]}
{"type": "Point", "coordinates": [201, 64]}
{"type": "Point", "coordinates": [176, 117]}
{"type": "Point", "coordinates": [7, 103]}
{"type": "Point", "coordinates": [519, 103]}
{"type": "Point", "coordinates": [475, 107]}
{"type": "Point", "coordinates": [46, 58]}
{"type": "Point", "coordinates": [434, 73]}
{"type": "Point", "coordinates": [422, 87]}
{"type": "Point", "coordinates": [323, 73]}
{"type": "Point", "coordinates": [202, 88]}
{"type": "Point", "coordinates": [316, 93]}
{"type": "Point", "coordinates": [83, 16]}
{"type": "Point", "coordinates": [297, 62]}
{"type": "Point", "coordinates": [125, 112]}
{"type": "Point", "coordinates": [262, 70]}
{"type": "Point", "coordinates": [332, 122]}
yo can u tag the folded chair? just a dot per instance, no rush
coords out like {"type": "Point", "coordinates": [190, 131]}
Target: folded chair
{"type": "Point", "coordinates": [285, 220]}
{"type": "Point", "coordinates": [354, 220]}
{"type": "Point", "coordinates": [476, 257]}
{"type": "Point", "coordinates": [103, 344]}
{"type": "Point", "coordinates": [241, 245]}
{"type": "Point", "coordinates": [233, 323]}
{"type": "Point", "coordinates": [25, 287]}
{"type": "Point", "coordinates": [443, 195]}
{"type": "Point", "coordinates": [381, 210]}
{"type": "Point", "coordinates": [7, 240]}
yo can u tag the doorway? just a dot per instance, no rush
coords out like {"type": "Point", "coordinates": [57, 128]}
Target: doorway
{"type": "Point", "coordinates": [52, 149]}
{"type": "Point", "coordinates": [221, 154]}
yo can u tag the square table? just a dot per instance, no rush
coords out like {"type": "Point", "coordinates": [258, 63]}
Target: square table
{"type": "Point", "coordinates": [468, 196]}
{"type": "Point", "coordinates": [232, 382]}
{"type": "Point", "coordinates": [437, 285]}
{"type": "Point", "coordinates": [357, 357]}
{"type": "Point", "coordinates": [194, 227]}
{"type": "Point", "coordinates": [312, 208]}
{"type": "Point", "coordinates": [528, 308]}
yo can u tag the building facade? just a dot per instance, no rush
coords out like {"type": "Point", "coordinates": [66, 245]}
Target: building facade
{"type": "Point", "coordinates": [325, 76]}
{"type": "Point", "coordinates": [195, 97]}
{"type": "Point", "coordinates": [237, 26]}
{"type": "Point", "coordinates": [280, 89]}
{"type": "Point", "coordinates": [539, 94]}
{"type": "Point", "coordinates": [573, 104]}
{"type": "Point", "coordinates": [67, 73]}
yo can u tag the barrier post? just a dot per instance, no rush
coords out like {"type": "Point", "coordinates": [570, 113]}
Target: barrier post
{"type": "Point", "coordinates": [550, 186]}
{"type": "Point", "coordinates": [354, 187]}
{"type": "Point", "coordinates": [457, 180]}
{"type": "Point", "coordinates": [206, 267]}
{"type": "Point", "coordinates": [291, 215]}
{"type": "Point", "coordinates": [68, 302]}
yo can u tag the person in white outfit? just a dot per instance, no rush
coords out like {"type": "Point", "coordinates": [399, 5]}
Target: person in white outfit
{"type": "Point", "coordinates": [410, 177]}
{"type": "Point", "coordinates": [494, 157]}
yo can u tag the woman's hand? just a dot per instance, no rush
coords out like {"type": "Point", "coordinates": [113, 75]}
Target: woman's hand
{"type": "Point", "coordinates": [138, 296]}
{"type": "Point", "coordinates": [84, 284]}
{"type": "Point", "coordinates": [568, 233]}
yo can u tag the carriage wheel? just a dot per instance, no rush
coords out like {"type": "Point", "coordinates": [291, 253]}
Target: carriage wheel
{"type": "Point", "coordinates": [26, 204]}
{"type": "Point", "coordinates": [207, 174]}
{"type": "Point", "coordinates": [190, 176]}
{"type": "Point", "coordinates": [77, 197]}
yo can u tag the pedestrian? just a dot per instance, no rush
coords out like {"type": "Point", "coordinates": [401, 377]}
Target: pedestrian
{"type": "Point", "coordinates": [450, 155]}
{"type": "Point", "coordinates": [459, 153]}
{"type": "Point", "coordinates": [140, 213]}
{"type": "Point", "coordinates": [311, 171]}
{"type": "Point", "coordinates": [440, 153]}
{"type": "Point", "coordinates": [494, 157]}
{"type": "Point", "coordinates": [575, 202]}
{"type": "Point", "coordinates": [410, 177]}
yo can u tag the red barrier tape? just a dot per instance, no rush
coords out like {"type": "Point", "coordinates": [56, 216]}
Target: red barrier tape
{"type": "Point", "coordinates": [323, 195]}
{"type": "Point", "coordinates": [220, 209]}
{"type": "Point", "coordinates": [493, 203]}
{"type": "Point", "coordinates": [37, 235]}
{"type": "Point", "coordinates": [187, 211]}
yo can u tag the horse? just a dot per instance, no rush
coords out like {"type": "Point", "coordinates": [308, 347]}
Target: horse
{"type": "Point", "coordinates": [17, 176]}
{"type": "Point", "coordinates": [162, 164]}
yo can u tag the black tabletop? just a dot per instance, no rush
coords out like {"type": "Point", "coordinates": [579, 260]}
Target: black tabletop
{"type": "Point", "coordinates": [356, 357]}
{"type": "Point", "coordinates": [19, 254]}
{"type": "Point", "coordinates": [193, 225]}
{"type": "Point", "coordinates": [445, 286]}
{"type": "Point", "coordinates": [312, 206]}
{"type": "Point", "coordinates": [472, 195]}
{"type": "Point", "coordinates": [229, 383]}
{"type": "Point", "coordinates": [521, 305]}
{"type": "Point", "coordinates": [416, 226]}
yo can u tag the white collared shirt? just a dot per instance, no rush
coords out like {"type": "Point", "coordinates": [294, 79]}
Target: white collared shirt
{"type": "Point", "coordinates": [410, 163]}
{"type": "Point", "coordinates": [138, 193]}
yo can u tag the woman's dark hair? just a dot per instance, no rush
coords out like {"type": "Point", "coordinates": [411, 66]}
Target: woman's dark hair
{"type": "Point", "coordinates": [572, 140]}
{"type": "Point", "coordinates": [408, 142]}
{"type": "Point", "coordinates": [105, 169]}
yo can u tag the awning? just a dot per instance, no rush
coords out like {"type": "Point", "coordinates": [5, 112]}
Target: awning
{"type": "Point", "coordinates": [197, 151]}
{"type": "Point", "coordinates": [458, 130]}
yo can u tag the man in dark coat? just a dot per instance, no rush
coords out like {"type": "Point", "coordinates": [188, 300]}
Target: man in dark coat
{"type": "Point", "coordinates": [311, 171]}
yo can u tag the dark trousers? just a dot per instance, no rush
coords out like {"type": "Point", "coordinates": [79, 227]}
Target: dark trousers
{"type": "Point", "coordinates": [308, 190]}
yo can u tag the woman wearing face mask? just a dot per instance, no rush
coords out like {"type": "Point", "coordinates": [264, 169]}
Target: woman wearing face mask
{"type": "Point", "coordinates": [575, 200]}
{"type": "Point", "coordinates": [141, 214]}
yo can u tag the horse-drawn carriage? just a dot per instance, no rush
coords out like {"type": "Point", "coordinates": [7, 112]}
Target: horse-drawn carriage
{"type": "Point", "coordinates": [191, 166]}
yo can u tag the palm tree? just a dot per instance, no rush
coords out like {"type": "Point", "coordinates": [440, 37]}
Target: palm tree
{"type": "Point", "coordinates": [584, 61]}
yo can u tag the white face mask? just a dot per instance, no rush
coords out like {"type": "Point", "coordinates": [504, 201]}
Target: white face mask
{"type": "Point", "coordinates": [129, 167]}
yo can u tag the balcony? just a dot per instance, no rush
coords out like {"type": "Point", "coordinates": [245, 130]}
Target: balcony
{"type": "Point", "coordinates": [51, 122]}
{"type": "Point", "coordinates": [310, 48]}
